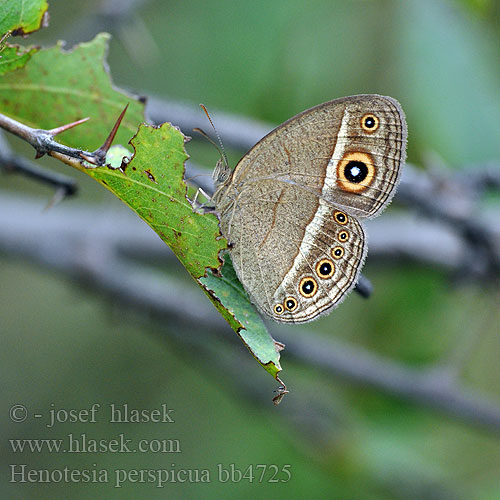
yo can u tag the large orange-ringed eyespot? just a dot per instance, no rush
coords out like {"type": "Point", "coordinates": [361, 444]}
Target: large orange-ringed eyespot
{"type": "Point", "coordinates": [343, 236]}
{"type": "Point", "coordinates": [308, 286]}
{"type": "Point", "coordinates": [291, 303]}
{"type": "Point", "coordinates": [370, 123]}
{"type": "Point", "coordinates": [340, 217]}
{"type": "Point", "coordinates": [278, 309]}
{"type": "Point", "coordinates": [337, 252]}
{"type": "Point", "coordinates": [355, 172]}
{"type": "Point", "coordinates": [325, 268]}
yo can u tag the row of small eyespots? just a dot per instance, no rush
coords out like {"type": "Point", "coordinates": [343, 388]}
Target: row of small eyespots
{"type": "Point", "coordinates": [290, 304]}
{"type": "Point", "coordinates": [308, 286]}
{"type": "Point", "coordinates": [342, 219]}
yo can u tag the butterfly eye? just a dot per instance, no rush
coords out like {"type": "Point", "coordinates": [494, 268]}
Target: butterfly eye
{"type": "Point", "coordinates": [278, 309]}
{"type": "Point", "coordinates": [355, 172]}
{"type": "Point", "coordinates": [340, 217]}
{"type": "Point", "coordinates": [325, 268]}
{"type": "Point", "coordinates": [343, 236]}
{"type": "Point", "coordinates": [291, 303]}
{"type": "Point", "coordinates": [370, 123]}
{"type": "Point", "coordinates": [337, 252]}
{"type": "Point", "coordinates": [308, 286]}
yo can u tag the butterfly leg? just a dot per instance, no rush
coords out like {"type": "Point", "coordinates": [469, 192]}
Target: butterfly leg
{"type": "Point", "coordinates": [202, 207]}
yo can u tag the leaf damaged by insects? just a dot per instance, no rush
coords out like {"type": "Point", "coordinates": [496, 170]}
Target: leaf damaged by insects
{"type": "Point", "coordinates": [233, 303]}
{"type": "Point", "coordinates": [152, 184]}
{"type": "Point", "coordinates": [21, 17]}
{"type": "Point", "coordinates": [150, 181]}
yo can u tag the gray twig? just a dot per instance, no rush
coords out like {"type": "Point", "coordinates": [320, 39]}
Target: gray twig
{"type": "Point", "coordinates": [71, 242]}
{"type": "Point", "coordinates": [43, 140]}
{"type": "Point", "coordinates": [11, 163]}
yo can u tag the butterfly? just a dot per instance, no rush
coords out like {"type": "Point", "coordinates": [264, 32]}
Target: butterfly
{"type": "Point", "coordinates": [292, 208]}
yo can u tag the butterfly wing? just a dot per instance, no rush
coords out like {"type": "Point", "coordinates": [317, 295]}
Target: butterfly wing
{"type": "Point", "coordinates": [348, 151]}
{"type": "Point", "coordinates": [290, 208]}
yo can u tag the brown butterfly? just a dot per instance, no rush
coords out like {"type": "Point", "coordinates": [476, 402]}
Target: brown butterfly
{"type": "Point", "coordinates": [292, 207]}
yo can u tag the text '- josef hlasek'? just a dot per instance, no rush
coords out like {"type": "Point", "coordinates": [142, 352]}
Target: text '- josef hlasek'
{"type": "Point", "coordinates": [112, 413]}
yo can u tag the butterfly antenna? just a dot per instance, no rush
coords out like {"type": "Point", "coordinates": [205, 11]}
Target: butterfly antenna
{"type": "Point", "coordinates": [221, 150]}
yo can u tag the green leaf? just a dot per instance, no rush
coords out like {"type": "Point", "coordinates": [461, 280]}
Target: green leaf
{"type": "Point", "coordinates": [230, 298]}
{"type": "Point", "coordinates": [22, 16]}
{"type": "Point", "coordinates": [152, 185]}
{"type": "Point", "coordinates": [13, 57]}
{"type": "Point", "coordinates": [58, 87]}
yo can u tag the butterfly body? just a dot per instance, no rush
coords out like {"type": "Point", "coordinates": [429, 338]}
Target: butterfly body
{"type": "Point", "coordinates": [291, 207]}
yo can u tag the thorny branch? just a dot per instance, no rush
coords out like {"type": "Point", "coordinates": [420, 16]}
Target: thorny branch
{"type": "Point", "coordinates": [44, 143]}
{"type": "Point", "coordinates": [43, 140]}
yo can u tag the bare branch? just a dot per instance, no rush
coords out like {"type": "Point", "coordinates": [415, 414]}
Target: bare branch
{"type": "Point", "coordinates": [11, 163]}
{"type": "Point", "coordinates": [72, 242]}
{"type": "Point", "coordinates": [428, 387]}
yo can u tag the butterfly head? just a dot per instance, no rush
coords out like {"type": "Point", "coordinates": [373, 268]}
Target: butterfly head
{"type": "Point", "coordinates": [222, 172]}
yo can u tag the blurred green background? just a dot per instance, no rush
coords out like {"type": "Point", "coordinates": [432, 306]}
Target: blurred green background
{"type": "Point", "coordinates": [65, 345]}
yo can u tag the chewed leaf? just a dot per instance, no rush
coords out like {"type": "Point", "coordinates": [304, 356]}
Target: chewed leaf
{"type": "Point", "coordinates": [236, 307]}
{"type": "Point", "coordinates": [13, 57]}
{"type": "Point", "coordinates": [57, 86]}
{"type": "Point", "coordinates": [152, 184]}
{"type": "Point", "coordinates": [22, 16]}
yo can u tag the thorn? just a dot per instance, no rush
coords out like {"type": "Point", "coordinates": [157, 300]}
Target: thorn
{"type": "Point", "coordinates": [59, 196]}
{"type": "Point", "coordinates": [90, 158]}
{"type": "Point", "coordinates": [54, 131]}
{"type": "Point", "coordinates": [100, 153]}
